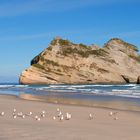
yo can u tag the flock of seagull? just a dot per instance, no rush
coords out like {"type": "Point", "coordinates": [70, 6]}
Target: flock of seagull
{"type": "Point", "coordinates": [60, 116]}
{"type": "Point", "coordinates": [41, 115]}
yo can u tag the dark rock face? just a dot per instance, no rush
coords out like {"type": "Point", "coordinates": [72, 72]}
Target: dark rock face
{"type": "Point", "coordinates": [138, 80]}
{"type": "Point", "coordinates": [36, 59]}
{"type": "Point", "coordinates": [126, 79]}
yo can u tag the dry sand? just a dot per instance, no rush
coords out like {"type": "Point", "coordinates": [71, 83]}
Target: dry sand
{"type": "Point", "coordinates": [102, 127]}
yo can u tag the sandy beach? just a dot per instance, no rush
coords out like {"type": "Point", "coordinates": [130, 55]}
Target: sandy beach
{"type": "Point", "coordinates": [122, 125]}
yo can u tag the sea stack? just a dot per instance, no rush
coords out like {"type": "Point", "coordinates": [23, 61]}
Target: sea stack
{"type": "Point", "coordinates": [64, 62]}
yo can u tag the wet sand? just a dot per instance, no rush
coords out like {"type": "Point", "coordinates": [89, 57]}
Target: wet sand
{"type": "Point", "coordinates": [79, 127]}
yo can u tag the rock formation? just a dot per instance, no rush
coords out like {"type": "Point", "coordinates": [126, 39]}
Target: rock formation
{"type": "Point", "coordinates": [138, 80]}
{"type": "Point", "coordinates": [64, 62]}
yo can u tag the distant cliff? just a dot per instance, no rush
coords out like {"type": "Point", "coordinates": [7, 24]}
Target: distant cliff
{"type": "Point", "coordinates": [64, 62]}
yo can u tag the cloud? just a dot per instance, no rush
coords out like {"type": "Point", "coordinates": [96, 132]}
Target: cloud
{"type": "Point", "coordinates": [43, 35]}
{"type": "Point", "coordinates": [67, 33]}
{"type": "Point", "coordinates": [21, 7]}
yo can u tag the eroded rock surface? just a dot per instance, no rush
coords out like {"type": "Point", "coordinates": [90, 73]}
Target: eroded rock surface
{"type": "Point", "coordinates": [64, 62]}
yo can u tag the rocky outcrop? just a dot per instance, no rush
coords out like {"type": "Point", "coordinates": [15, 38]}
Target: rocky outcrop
{"type": "Point", "coordinates": [138, 80]}
{"type": "Point", "coordinates": [64, 62]}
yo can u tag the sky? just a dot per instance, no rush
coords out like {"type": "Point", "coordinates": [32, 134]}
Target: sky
{"type": "Point", "coordinates": [28, 26]}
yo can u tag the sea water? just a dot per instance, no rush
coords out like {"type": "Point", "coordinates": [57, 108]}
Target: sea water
{"type": "Point", "coordinates": [86, 94]}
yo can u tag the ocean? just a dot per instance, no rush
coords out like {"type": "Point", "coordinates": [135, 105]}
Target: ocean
{"type": "Point", "coordinates": [112, 96]}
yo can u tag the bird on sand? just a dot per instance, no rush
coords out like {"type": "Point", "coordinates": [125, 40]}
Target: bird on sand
{"type": "Point", "coordinates": [90, 116]}
{"type": "Point", "coordinates": [61, 118]}
{"type": "Point", "coordinates": [2, 114]}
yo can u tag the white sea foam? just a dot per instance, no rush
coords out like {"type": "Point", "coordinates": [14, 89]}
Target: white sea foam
{"type": "Point", "coordinates": [117, 90]}
{"type": "Point", "coordinates": [21, 86]}
{"type": "Point", "coordinates": [138, 94]}
{"type": "Point", "coordinates": [6, 86]}
{"type": "Point", "coordinates": [58, 86]}
{"type": "Point", "coordinates": [130, 96]}
{"type": "Point", "coordinates": [79, 86]}
{"type": "Point", "coordinates": [130, 90]}
{"type": "Point", "coordinates": [43, 88]}
{"type": "Point", "coordinates": [135, 87]}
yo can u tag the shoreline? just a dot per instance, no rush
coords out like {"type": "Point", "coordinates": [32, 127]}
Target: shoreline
{"type": "Point", "coordinates": [116, 103]}
{"type": "Point", "coordinates": [98, 101]}
{"type": "Point", "coordinates": [102, 126]}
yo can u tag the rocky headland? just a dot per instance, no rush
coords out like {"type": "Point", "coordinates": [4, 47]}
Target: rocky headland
{"type": "Point", "coordinates": [64, 62]}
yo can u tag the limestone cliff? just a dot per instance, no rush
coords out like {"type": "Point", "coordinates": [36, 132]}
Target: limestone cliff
{"type": "Point", "coordinates": [64, 62]}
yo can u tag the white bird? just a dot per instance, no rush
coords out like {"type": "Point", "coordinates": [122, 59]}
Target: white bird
{"type": "Point", "coordinates": [68, 116]}
{"type": "Point", "coordinates": [43, 112]}
{"type": "Point", "coordinates": [90, 116]}
{"type": "Point", "coordinates": [61, 118]}
{"type": "Point", "coordinates": [43, 115]}
{"type": "Point", "coordinates": [59, 114]}
{"type": "Point", "coordinates": [14, 116]}
{"type": "Point", "coordinates": [14, 110]}
{"type": "Point", "coordinates": [2, 113]}
{"type": "Point", "coordinates": [110, 113]}
{"type": "Point", "coordinates": [23, 116]}
{"type": "Point", "coordinates": [38, 119]}
{"type": "Point", "coordinates": [54, 118]}
{"type": "Point", "coordinates": [20, 114]}
{"type": "Point", "coordinates": [30, 113]}
{"type": "Point", "coordinates": [58, 109]}
{"type": "Point", "coordinates": [116, 118]}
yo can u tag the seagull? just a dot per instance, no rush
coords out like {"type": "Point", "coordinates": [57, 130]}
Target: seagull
{"type": "Point", "coordinates": [90, 116]}
{"type": "Point", "coordinates": [68, 116]}
{"type": "Point", "coordinates": [30, 113]}
{"type": "Point", "coordinates": [20, 114]}
{"type": "Point", "coordinates": [43, 115]}
{"type": "Point", "coordinates": [54, 118]}
{"type": "Point", "coordinates": [110, 113]}
{"type": "Point", "coordinates": [23, 116]}
{"type": "Point", "coordinates": [14, 116]}
{"type": "Point", "coordinates": [14, 110]}
{"type": "Point", "coordinates": [62, 118]}
{"type": "Point", "coordinates": [116, 118]}
{"type": "Point", "coordinates": [58, 109]}
{"type": "Point", "coordinates": [60, 113]}
{"type": "Point", "coordinates": [2, 113]}
{"type": "Point", "coordinates": [38, 119]}
{"type": "Point", "coordinates": [43, 112]}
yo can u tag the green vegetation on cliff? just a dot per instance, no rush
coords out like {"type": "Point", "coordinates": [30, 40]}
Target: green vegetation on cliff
{"type": "Point", "coordinates": [84, 52]}
{"type": "Point", "coordinates": [38, 66]}
{"type": "Point", "coordinates": [47, 61]}
{"type": "Point", "coordinates": [135, 58]}
{"type": "Point", "coordinates": [61, 42]}
{"type": "Point", "coordinates": [128, 45]}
